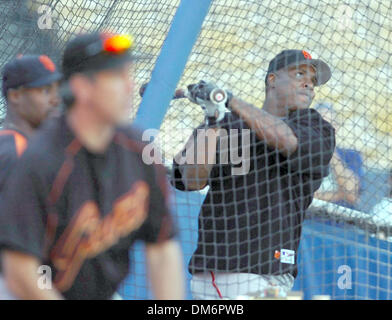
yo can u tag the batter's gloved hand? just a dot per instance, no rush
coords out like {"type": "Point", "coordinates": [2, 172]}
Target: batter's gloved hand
{"type": "Point", "coordinates": [211, 98]}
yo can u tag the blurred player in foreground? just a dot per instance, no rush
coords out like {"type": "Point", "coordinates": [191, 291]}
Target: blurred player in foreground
{"type": "Point", "coordinates": [250, 222]}
{"type": "Point", "coordinates": [30, 88]}
{"type": "Point", "coordinates": [81, 194]}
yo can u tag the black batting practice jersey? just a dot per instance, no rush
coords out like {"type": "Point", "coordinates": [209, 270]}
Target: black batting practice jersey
{"type": "Point", "coordinates": [79, 212]}
{"type": "Point", "coordinates": [251, 222]}
{"type": "Point", "coordinates": [12, 145]}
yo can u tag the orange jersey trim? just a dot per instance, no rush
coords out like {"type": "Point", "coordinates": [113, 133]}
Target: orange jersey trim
{"type": "Point", "coordinates": [20, 141]}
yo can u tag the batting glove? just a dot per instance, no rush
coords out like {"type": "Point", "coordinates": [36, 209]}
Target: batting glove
{"type": "Point", "coordinates": [213, 100]}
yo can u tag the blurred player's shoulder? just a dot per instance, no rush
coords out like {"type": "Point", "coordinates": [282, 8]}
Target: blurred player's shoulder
{"type": "Point", "coordinates": [134, 139]}
{"type": "Point", "coordinates": [131, 137]}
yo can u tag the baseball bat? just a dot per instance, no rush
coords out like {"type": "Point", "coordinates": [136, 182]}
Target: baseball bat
{"type": "Point", "coordinates": [178, 94]}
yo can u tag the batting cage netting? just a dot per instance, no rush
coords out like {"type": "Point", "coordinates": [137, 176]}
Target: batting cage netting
{"type": "Point", "coordinates": [345, 248]}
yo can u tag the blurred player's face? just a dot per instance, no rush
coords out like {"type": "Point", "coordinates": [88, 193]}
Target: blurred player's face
{"type": "Point", "coordinates": [294, 87]}
{"type": "Point", "coordinates": [34, 105]}
{"type": "Point", "coordinates": [111, 94]}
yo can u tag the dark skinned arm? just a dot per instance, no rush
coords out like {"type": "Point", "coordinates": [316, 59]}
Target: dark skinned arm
{"type": "Point", "coordinates": [268, 128]}
{"type": "Point", "coordinates": [196, 170]}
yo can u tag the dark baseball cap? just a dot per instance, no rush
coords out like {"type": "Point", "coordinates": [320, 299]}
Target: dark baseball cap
{"type": "Point", "coordinates": [29, 71]}
{"type": "Point", "coordinates": [96, 51]}
{"type": "Point", "coordinates": [288, 58]}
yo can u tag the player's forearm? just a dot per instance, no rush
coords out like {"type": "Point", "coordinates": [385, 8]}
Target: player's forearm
{"type": "Point", "coordinates": [200, 156]}
{"type": "Point", "coordinates": [22, 278]}
{"type": "Point", "coordinates": [164, 262]}
{"type": "Point", "coordinates": [339, 195]}
{"type": "Point", "coordinates": [27, 289]}
{"type": "Point", "coordinates": [195, 177]}
{"type": "Point", "coordinates": [329, 196]}
{"type": "Point", "coordinates": [350, 190]}
{"type": "Point", "coordinates": [274, 131]}
{"type": "Point", "coordinates": [342, 172]}
{"type": "Point", "coordinates": [346, 179]}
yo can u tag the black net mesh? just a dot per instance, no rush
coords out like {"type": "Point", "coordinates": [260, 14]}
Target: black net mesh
{"type": "Point", "coordinates": [235, 45]}
{"type": "Point", "coordinates": [44, 26]}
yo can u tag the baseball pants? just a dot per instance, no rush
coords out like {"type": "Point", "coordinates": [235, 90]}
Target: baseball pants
{"type": "Point", "coordinates": [220, 285]}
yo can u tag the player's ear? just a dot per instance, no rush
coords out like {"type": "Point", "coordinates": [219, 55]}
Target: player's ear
{"type": "Point", "coordinates": [271, 80]}
{"type": "Point", "coordinates": [80, 87]}
{"type": "Point", "coordinates": [14, 96]}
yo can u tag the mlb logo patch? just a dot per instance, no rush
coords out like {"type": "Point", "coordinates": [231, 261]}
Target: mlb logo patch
{"type": "Point", "coordinates": [287, 256]}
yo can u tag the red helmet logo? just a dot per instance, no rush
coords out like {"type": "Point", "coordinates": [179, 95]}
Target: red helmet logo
{"type": "Point", "coordinates": [47, 63]}
{"type": "Point", "coordinates": [306, 55]}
